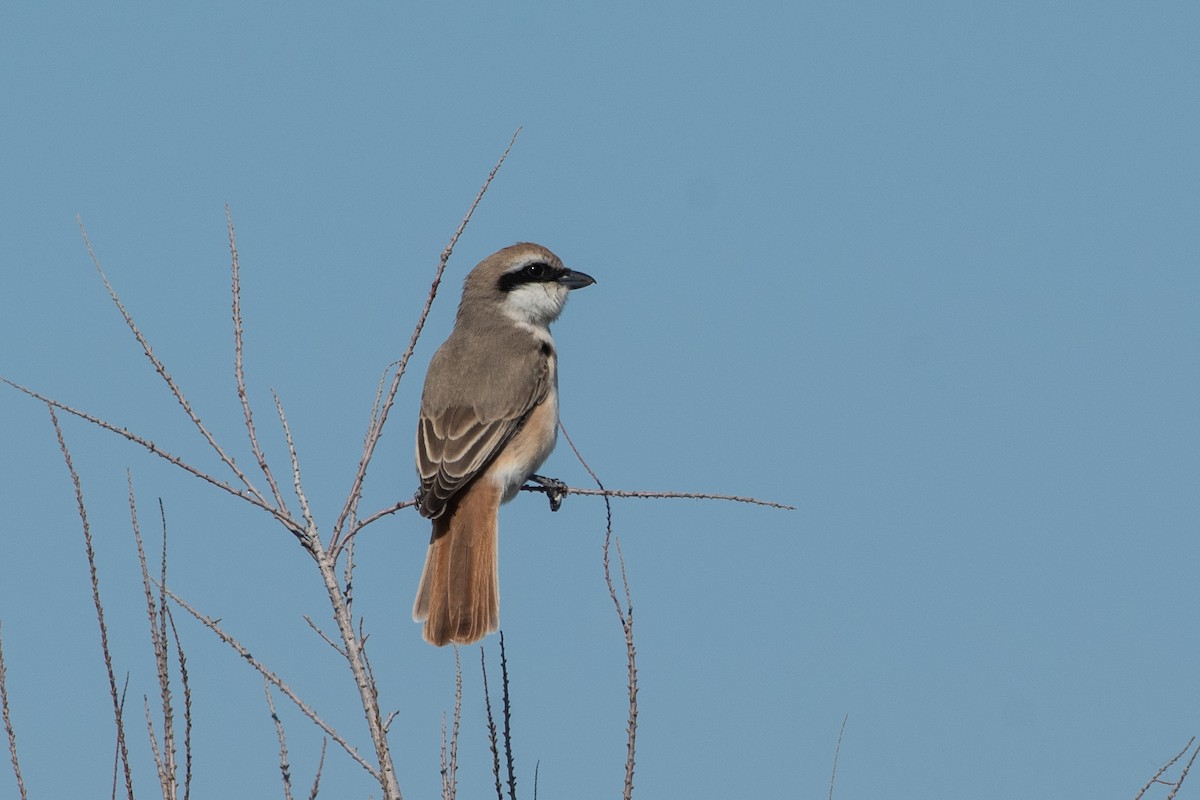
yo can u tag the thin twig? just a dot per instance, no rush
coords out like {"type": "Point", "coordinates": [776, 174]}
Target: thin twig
{"type": "Point", "coordinates": [446, 795]}
{"type": "Point", "coordinates": [1158, 775]}
{"type": "Point", "coordinates": [158, 640]}
{"type": "Point", "coordinates": [154, 750]}
{"type": "Point", "coordinates": [450, 746]}
{"type": "Point", "coordinates": [158, 451]}
{"type": "Point", "coordinates": [624, 614]}
{"type": "Point", "coordinates": [312, 795]}
{"type": "Point", "coordinates": [458, 684]}
{"type": "Point", "coordinates": [276, 681]}
{"type": "Point", "coordinates": [187, 701]}
{"type": "Point", "coordinates": [358, 526]}
{"type": "Point", "coordinates": [284, 767]}
{"type": "Point", "coordinates": [655, 495]}
{"type": "Point", "coordinates": [238, 368]}
{"type": "Point", "coordinates": [491, 726]}
{"type": "Point", "coordinates": [161, 369]}
{"type": "Point", "coordinates": [8, 726]}
{"type": "Point", "coordinates": [508, 749]}
{"type": "Point", "coordinates": [837, 751]}
{"type": "Point", "coordinates": [310, 526]}
{"type": "Point", "coordinates": [348, 576]}
{"type": "Point", "coordinates": [630, 654]}
{"type": "Point", "coordinates": [95, 581]}
{"type": "Point", "coordinates": [117, 747]}
{"type": "Point", "coordinates": [1183, 775]}
{"type": "Point", "coordinates": [379, 418]}
{"type": "Point", "coordinates": [323, 636]}
{"type": "Point", "coordinates": [165, 686]}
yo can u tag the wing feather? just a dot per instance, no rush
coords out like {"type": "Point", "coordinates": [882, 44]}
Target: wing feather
{"type": "Point", "coordinates": [458, 436]}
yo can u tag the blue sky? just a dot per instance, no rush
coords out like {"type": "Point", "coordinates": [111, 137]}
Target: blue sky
{"type": "Point", "coordinates": [929, 272]}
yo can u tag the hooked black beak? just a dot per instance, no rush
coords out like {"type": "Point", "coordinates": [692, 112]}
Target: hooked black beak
{"type": "Point", "coordinates": [576, 280]}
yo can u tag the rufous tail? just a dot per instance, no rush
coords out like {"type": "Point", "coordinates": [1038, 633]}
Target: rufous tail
{"type": "Point", "coordinates": [459, 594]}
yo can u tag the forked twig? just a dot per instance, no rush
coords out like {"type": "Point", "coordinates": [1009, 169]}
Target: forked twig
{"type": "Point", "coordinates": [1175, 785]}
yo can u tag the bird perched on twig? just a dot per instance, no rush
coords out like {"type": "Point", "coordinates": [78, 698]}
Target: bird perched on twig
{"type": "Point", "coordinates": [489, 419]}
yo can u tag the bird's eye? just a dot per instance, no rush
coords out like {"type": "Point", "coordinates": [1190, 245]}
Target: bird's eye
{"type": "Point", "coordinates": [536, 270]}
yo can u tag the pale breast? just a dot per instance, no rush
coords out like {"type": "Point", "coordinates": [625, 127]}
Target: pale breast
{"type": "Point", "coordinates": [532, 445]}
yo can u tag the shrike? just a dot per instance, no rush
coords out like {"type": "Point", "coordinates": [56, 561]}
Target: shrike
{"type": "Point", "coordinates": [489, 418]}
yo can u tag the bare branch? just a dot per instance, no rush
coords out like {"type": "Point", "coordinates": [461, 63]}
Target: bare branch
{"type": "Point", "coordinates": [8, 727]}
{"type": "Point", "coordinates": [624, 614]}
{"type": "Point", "coordinates": [276, 681]}
{"type": "Point", "coordinates": [565, 490]}
{"type": "Point", "coordinates": [360, 668]}
{"type": "Point", "coordinates": [154, 449]}
{"type": "Point", "coordinates": [375, 428]}
{"type": "Point", "coordinates": [1158, 775]}
{"type": "Point", "coordinates": [238, 369]}
{"type": "Point", "coordinates": [161, 369]}
{"type": "Point", "coordinates": [95, 580]}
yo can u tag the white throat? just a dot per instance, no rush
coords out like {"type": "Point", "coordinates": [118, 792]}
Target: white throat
{"type": "Point", "coordinates": [535, 304]}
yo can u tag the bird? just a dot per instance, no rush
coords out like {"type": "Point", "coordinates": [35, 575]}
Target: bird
{"type": "Point", "coordinates": [488, 421]}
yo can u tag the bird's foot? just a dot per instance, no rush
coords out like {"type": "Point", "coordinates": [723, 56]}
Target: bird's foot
{"type": "Point", "coordinates": [556, 491]}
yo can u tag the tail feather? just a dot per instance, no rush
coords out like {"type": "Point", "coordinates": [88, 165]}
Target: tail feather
{"type": "Point", "coordinates": [459, 594]}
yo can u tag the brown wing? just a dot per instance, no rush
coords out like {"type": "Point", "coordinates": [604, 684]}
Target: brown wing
{"type": "Point", "coordinates": [467, 419]}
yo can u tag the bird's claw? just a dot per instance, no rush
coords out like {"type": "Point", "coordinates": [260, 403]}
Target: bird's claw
{"type": "Point", "coordinates": [556, 491]}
